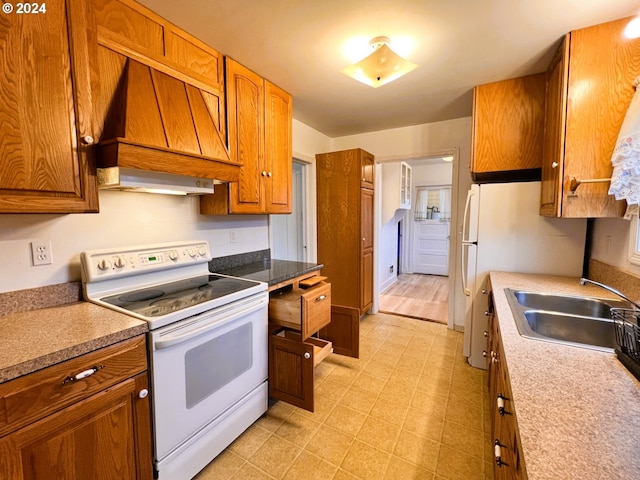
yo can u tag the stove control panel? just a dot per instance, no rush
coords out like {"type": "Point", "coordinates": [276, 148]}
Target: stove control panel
{"type": "Point", "coordinates": [116, 263]}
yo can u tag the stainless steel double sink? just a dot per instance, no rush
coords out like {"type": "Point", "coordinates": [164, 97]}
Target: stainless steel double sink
{"type": "Point", "coordinates": [570, 320]}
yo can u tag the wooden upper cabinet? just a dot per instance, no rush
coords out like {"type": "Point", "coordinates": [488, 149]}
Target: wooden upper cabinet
{"type": "Point", "coordinates": [278, 149]}
{"type": "Point", "coordinates": [245, 102]}
{"type": "Point", "coordinates": [368, 170]}
{"type": "Point", "coordinates": [259, 118]}
{"type": "Point", "coordinates": [507, 129]}
{"type": "Point", "coordinates": [590, 87]}
{"type": "Point", "coordinates": [44, 111]}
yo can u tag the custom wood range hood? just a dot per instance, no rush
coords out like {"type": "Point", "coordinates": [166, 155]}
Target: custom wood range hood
{"type": "Point", "coordinates": [161, 127]}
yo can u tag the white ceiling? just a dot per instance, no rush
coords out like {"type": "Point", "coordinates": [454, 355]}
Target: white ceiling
{"type": "Point", "coordinates": [298, 45]}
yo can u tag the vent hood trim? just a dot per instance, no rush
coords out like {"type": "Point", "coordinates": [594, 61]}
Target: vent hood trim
{"type": "Point", "coordinates": [159, 123]}
{"type": "Point", "coordinates": [131, 179]}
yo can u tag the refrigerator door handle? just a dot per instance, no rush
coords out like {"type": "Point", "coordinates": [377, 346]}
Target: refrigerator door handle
{"type": "Point", "coordinates": [465, 217]}
{"type": "Point", "coordinates": [463, 267]}
{"type": "Point", "coordinates": [465, 244]}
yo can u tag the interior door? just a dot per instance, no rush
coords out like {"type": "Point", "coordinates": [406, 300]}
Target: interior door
{"type": "Point", "coordinates": [431, 247]}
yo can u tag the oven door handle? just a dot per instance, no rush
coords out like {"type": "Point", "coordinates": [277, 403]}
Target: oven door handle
{"type": "Point", "coordinates": [173, 339]}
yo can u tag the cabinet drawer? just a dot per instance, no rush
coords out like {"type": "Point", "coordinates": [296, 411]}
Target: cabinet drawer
{"type": "Point", "coordinates": [34, 396]}
{"type": "Point", "coordinates": [306, 311]}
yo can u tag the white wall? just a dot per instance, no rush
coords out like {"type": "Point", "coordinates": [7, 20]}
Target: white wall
{"type": "Point", "coordinates": [125, 218]}
{"type": "Point", "coordinates": [610, 243]}
{"type": "Point", "coordinates": [419, 141]}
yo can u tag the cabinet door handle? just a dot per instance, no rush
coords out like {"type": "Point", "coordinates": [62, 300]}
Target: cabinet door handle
{"type": "Point", "coordinates": [307, 355]}
{"type": "Point", "coordinates": [143, 393]}
{"type": "Point", "coordinates": [83, 374]}
{"type": "Point", "coordinates": [554, 165]}
{"type": "Point", "coordinates": [87, 140]}
{"type": "Point", "coordinates": [497, 452]}
{"type": "Point", "coordinates": [500, 404]}
{"type": "Point", "coordinates": [320, 298]}
{"type": "Point", "coordinates": [485, 333]}
{"type": "Point", "coordinates": [264, 173]}
{"type": "Point", "coordinates": [269, 174]}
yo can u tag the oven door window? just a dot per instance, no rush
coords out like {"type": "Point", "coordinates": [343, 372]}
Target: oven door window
{"type": "Point", "coordinates": [212, 365]}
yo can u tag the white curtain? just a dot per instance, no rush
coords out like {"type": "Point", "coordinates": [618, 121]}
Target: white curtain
{"type": "Point", "coordinates": [445, 204]}
{"type": "Point", "coordinates": [422, 197]}
{"type": "Point", "coordinates": [424, 211]}
{"type": "Point", "coordinates": [625, 180]}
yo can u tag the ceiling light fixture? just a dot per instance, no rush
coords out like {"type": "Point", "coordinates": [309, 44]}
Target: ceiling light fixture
{"type": "Point", "coordinates": [382, 66]}
{"type": "Point", "coordinates": [632, 30]}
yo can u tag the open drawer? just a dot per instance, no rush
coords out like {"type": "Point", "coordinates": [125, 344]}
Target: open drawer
{"type": "Point", "coordinates": [303, 310]}
{"type": "Point", "coordinates": [292, 361]}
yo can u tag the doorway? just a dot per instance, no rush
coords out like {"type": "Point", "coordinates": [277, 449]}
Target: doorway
{"type": "Point", "coordinates": [288, 233]}
{"type": "Point", "coordinates": [421, 247]}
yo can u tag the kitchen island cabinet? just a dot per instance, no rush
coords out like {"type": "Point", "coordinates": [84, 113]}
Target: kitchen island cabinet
{"type": "Point", "coordinates": [589, 88]}
{"type": "Point", "coordinates": [578, 410]}
{"type": "Point", "coordinates": [45, 124]}
{"type": "Point", "coordinates": [87, 417]}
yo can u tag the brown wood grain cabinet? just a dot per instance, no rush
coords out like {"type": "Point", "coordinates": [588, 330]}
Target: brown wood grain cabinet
{"type": "Point", "coordinates": [507, 129]}
{"type": "Point", "coordinates": [345, 200]}
{"type": "Point", "coordinates": [508, 459]}
{"type": "Point", "coordinates": [299, 318]}
{"type": "Point", "coordinates": [45, 127]}
{"type": "Point", "coordinates": [96, 427]}
{"type": "Point", "coordinates": [260, 139]}
{"type": "Point", "coordinates": [589, 88]}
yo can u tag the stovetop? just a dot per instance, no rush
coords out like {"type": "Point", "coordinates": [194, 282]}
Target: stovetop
{"type": "Point", "coordinates": [170, 297]}
{"type": "Point", "coordinates": [162, 283]}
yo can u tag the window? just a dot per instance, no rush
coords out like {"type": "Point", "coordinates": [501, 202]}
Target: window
{"type": "Point", "coordinates": [433, 203]}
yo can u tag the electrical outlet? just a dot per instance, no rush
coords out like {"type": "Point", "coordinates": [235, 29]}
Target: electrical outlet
{"type": "Point", "coordinates": [390, 268]}
{"type": "Point", "coordinates": [232, 236]}
{"type": "Point", "coordinates": [41, 253]}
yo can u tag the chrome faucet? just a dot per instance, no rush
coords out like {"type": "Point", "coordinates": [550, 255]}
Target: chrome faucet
{"type": "Point", "coordinates": [584, 281]}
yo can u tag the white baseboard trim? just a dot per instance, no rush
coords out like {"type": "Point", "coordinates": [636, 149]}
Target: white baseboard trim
{"type": "Point", "coordinates": [388, 283]}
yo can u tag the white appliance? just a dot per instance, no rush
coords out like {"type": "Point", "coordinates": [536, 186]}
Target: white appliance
{"type": "Point", "coordinates": [207, 345]}
{"type": "Point", "coordinates": [503, 231]}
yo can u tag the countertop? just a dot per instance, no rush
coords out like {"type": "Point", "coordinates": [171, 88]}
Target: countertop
{"type": "Point", "coordinates": [578, 410]}
{"type": "Point", "coordinates": [271, 271]}
{"type": "Point", "coordinates": [39, 338]}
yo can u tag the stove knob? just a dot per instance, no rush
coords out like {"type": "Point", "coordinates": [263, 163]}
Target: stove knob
{"type": "Point", "coordinates": [104, 264]}
{"type": "Point", "coordinates": [192, 252]}
{"type": "Point", "coordinates": [173, 255]}
{"type": "Point", "coordinates": [202, 251]}
{"type": "Point", "coordinates": [120, 262]}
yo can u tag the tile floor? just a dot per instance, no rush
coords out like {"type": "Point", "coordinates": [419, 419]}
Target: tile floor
{"type": "Point", "coordinates": [410, 408]}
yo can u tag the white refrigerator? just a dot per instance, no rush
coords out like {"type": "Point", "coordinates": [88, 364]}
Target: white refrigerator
{"type": "Point", "coordinates": [502, 231]}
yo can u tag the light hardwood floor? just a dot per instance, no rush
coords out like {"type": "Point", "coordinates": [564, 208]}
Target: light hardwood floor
{"type": "Point", "coordinates": [417, 296]}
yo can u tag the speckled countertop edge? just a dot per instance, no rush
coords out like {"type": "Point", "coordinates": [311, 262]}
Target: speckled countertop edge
{"type": "Point", "coordinates": [578, 410]}
{"type": "Point", "coordinates": [40, 338]}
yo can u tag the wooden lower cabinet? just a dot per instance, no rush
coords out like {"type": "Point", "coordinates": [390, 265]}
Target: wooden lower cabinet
{"type": "Point", "coordinates": [508, 460]}
{"type": "Point", "coordinates": [303, 327]}
{"type": "Point", "coordinates": [104, 435]}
